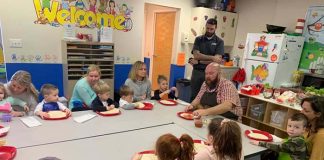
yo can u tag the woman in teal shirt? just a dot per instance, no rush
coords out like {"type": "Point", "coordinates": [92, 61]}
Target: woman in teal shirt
{"type": "Point", "coordinates": [83, 94]}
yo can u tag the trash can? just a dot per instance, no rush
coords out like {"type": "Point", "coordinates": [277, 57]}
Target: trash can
{"type": "Point", "coordinates": [184, 89]}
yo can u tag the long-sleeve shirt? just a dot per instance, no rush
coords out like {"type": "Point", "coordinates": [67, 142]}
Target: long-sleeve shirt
{"type": "Point", "coordinates": [40, 105]}
{"type": "Point", "coordinates": [26, 96]}
{"type": "Point", "coordinates": [209, 153]}
{"type": "Point", "coordinates": [13, 102]}
{"type": "Point", "coordinates": [98, 106]}
{"type": "Point", "coordinates": [140, 88]}
{"type": "Point", "coordinates": [157, 93]}
{"type": "Point", "coordinates": [125, 105]}
{"type": "Point", "coordinates": [294, 146]}
{"type": "Point", "coordinates": [82, 92]}
{"type": "Point", "coordinates": [315, 145]}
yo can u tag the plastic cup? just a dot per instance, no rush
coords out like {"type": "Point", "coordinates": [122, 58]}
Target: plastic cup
{"type": "Point", "coordinates": [198, 122]}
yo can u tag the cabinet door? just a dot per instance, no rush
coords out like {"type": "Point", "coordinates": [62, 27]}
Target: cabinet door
{"type": "Point", "coordinates": [226, 28]}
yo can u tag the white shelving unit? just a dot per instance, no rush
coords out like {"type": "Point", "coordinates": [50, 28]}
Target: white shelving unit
{"type": "Point", "coordinates": [77, 56]}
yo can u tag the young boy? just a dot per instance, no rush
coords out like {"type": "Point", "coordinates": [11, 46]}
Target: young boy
{"type": "Point", "coordinates": [126, 98]}
{"type": "Point", "coordinates": [294, 147]}
{"type": "Point", "coordinates": [50, 102]}
{"type": "Point", "coordinates": [102, 102]}
{"type": "Point", "coordinates": [163, 92]}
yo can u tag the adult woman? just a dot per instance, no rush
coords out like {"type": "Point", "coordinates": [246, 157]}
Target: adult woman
{"type": "Point", "coordinates": [20, 86]}
{"type": "Point", "coordinates": [83, 94]}
{"type": "Point", "coordinates": [137, 80]}
{"type": "Point", "coordinates": [313, 108]}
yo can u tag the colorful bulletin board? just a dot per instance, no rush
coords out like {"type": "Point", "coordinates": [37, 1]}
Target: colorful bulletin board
{"type": "Point", "coordinates": [313, 52]}
{"type": "Point", "coordinates": [3, 77]}
{"type": "Point", "coordinates": [84, 13]}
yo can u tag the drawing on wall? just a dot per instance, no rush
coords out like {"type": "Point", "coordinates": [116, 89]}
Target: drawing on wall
{"type": "Point", "coordinates": [34, 58]}
{"type": "Point", "coordinates": [313, 51]}
{"type": "Point", "coordinates": [84, 13]}
{"type": "Point", "coordinates": [3, 76]}
{"type": "Point", "coordinates": [260, 72]}
{"type": "Point", "coordinates": [261, 48]}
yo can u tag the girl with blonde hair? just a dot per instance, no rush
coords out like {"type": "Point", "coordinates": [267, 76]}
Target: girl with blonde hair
{"type": "Point", "coordinates": [20, 86]}
{"type": "Point", "coordinates": [83, 93]}
{"type": "Point", "coordinates": [138, 82]}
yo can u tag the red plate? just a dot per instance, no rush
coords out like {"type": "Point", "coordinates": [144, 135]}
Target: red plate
{"type": "Point", "coordinates": [187, 118]}
{"type": "Point", "coordinates": [3, 134]}
{"type": "Point", "coordinates": [7, 152]}
{"type": "Point", "coordinates": [108, 114]}
{"type": "Point", "coordinates": [269, 136]}
{"type": "Point", "coordinates": [147, 152]}
{"type": "Point", "coordinates": [170, 100]}
{"type": "Point", "coordinates": [148, 106]}
{"type": "Point", "coordinates": [60, 118]}
{"type": "Point", "coordinates": [200, 141]}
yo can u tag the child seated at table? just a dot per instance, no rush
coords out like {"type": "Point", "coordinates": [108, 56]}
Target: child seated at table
{"type": "Point", "coordinates": [6, 102]}
{"type": "Point", "coordinates": [126, 98]}
{"type": "Point", "coordinates": [293, 147]}
{"type": "Point", "coordinates": [50, 102]}
{"type": "Point", "coordinates": [169, 147]}
{"type": "Point", "coordinates": [164, 92]}
{"type": "Point", "coordinates": [224, 137]}
{"type": "Point", "coordinates": [102, 102]}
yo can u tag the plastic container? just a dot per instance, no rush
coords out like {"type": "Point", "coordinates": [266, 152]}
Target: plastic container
{"type": "Point", "coordinates": [257, 111]}
{"type": "Point", "coordinates": [6, 117]}
{"type": "Point", "coordinates": [278, 118]}
{"type": "Point", "coordinates": [184, 89]}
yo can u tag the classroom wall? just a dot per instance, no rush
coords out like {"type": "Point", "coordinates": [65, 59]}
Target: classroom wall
{"type": "Point", "coordinates": [255, 14]}
{"type": "Point", "coordinates": [42, 43]}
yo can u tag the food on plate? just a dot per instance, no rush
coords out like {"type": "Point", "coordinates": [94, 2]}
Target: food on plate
{"type": "Point", "coordinates": [258, 136]}
{"type": "Point", "coordinates": [149, 157]}
{"type": "Point", "coordinates": [187, 115]}
{"type": "Point", "coordinates": [287, 97]}
{"type": "Point", "coordinates": [112, 111]}
{"type": "Point", "coordinates": [139, 105]}
{"type": "Point", "coordinates": [166, 102]}
{"type": "Point", "coordinates": [56, 114]}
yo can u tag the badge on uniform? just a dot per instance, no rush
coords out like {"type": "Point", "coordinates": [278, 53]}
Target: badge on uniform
{"type": "Point", "coordinates": [214, 44]}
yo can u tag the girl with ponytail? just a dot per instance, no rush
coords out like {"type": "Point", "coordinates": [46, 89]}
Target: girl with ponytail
{"type": "Point", "coordinates": [20, 86]}
{"type": "Point", "coordinates": [226, 141]}
{"type": "Point", "coordinates": [169, 147]}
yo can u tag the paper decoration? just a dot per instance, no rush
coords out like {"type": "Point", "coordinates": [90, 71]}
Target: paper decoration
{"type": "Point", "coordinates": [181, 59]}
{"type": "Point", "coordinates": [106, 34]}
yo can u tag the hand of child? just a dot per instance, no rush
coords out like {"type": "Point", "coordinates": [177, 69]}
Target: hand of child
{"type": "Point", "coordinates": [26, 108]}
{"type": "Point", "coordinates": [167, 91]}
{"type": "Point", "coordinates": [173, 88]}
{"type": "Point", "coordinates": [110, 107]}
{"type": "Point", "coordinates": [254, 142]}
{"type": "Point", "coordinates": [43, 114]}
{"type": "Point", "coordinates": [68, 112]}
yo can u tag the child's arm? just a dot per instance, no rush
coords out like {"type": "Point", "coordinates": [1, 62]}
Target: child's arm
{"type": "Point", "coordinates": [97, 106]}
{"type": "Point", "coordinates": [129, 106]}
{"type": "Point", "coordinates": [62, 107]}
{"type": "Point", "coordinates": [112, 102]}
{"type": "Point", "coordinates": [293, 145]}
{"type": "Point", "coordinates": [17, 102]}
{"type": "Point", "coordinates": [173, 95]}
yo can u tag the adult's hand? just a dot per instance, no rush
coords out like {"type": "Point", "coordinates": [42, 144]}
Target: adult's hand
{"type": "Point", "coordinates": [217, 59]}
{"type": "Point", "coordinates": [189, 108]}
{"type": "Point", "coordinates": [200, 112]}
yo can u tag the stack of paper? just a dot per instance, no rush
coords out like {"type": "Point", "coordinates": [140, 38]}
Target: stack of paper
{"type": "Point", "coordinates": [83, 118]}
{"type": "Point", "coordinates": [30, 121]}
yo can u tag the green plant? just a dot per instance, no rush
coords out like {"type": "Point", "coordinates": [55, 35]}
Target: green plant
{"type": "Point", "coordinates": [313, 91]}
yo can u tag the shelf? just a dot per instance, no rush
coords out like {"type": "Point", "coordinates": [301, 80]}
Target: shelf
{"type": "Point", "coordinates": [85, 54]}
{"type": "Point", "coordinates": [84, 70]}
{"type": "Point", "coordinates": [93, 60]}
{"type": "Point", "coordinates": [89, 49]}
{"type": "Point", "coordinates": [276, 127]}
{"type": "Point", "coordinates": [90, 43]}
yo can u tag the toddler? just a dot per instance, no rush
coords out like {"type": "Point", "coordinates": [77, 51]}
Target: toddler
{"type": "Point", "coordinates": [50, 102]}
{"type": "Point", "coordinates": [102, 102]}
{"type": "Point", "coordinates": [163, 92]}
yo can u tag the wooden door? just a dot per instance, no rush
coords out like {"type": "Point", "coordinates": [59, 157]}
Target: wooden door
{"type": "Point", "coordinates": [163, 44]}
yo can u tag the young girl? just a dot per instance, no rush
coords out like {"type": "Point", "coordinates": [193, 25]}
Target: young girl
{"type": "Point", "coordinates": [138, 81]}
{"type": "Point", "coordinates": [6, 102]}
{"type": "Point", "coordinates": [163, 92]}
{"type": "Point", "coordinates": [126, 98]}
{"type": "Point", "coordinates": [225, 139]}
{"type": "Point", "coordinates": [169, 147]}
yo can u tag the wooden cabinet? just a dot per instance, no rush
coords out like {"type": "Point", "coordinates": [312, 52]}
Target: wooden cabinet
{"type": "Point", "coordinates": [226, 24]}
{"type": "Point", "coordinates": [261, 119]}
{"type": "Point", "coordinates": [77, 56]}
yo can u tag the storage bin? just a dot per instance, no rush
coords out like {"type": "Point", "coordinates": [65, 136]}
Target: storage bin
{"type": "Point", "coordinates": [278, 118]}
{"type": "Point", "coordinates": [184, 88]}
{"type": "Point", "coordinates": [257, 111]}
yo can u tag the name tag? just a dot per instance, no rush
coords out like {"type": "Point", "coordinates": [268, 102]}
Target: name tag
{"type": "Point", "coordinates": [214, 44]}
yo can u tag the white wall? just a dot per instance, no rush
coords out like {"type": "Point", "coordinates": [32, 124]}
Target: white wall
{"type": "Point", "coordinates": [255, 14]}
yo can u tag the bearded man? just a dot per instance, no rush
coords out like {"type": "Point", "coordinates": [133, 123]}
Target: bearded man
{"type": "Point", "coordinates": [217, 96]}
